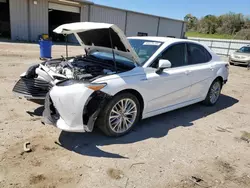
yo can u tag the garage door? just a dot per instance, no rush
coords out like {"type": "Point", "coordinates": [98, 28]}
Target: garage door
{"type": "Point", "coordinates": [65, 8]}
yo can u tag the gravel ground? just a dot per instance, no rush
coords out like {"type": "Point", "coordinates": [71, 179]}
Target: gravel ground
{"type": "Point", "coordinates": [192, 147]}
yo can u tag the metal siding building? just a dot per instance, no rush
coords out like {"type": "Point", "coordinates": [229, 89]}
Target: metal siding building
{"type": "Point", "coordinates": [141, 23]}
{"type": "Point", "coordinates": [108, 15]}
{"type": "Point", "coordinates": [30, 18]}
{"type": "Point", "coordinates": [38, 19]}
{"type": "Point", "coordinates": [171, 28]}
{"type": "Point", "coordinates": [19, 19]}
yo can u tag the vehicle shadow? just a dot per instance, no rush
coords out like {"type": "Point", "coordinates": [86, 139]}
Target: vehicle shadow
{"type": "Point", "coordinates": [155, 127]}
{"type": "Point", "coordinates": [37, 112]}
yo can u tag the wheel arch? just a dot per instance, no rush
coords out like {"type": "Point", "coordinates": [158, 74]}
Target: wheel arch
{"type": "Point", "coordinates": [137, 95]}
{"type": "Point", "coordinates": [220, 79]}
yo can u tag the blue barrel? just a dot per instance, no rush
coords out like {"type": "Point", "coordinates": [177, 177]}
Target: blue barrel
{"type": "Point", "coordinates": [45, 48]}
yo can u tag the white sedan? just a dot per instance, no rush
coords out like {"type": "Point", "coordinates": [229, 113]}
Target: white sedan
{"type": "Point", "coordinates": [119, 81]}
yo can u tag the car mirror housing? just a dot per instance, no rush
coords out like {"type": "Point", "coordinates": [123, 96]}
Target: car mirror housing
{"type": "Point", "coordinates": [163, 64]}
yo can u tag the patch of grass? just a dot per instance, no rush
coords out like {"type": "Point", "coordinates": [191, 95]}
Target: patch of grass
{"type": "Point", "coordinates": [202, 35]}
{"type": "Point", "coordinates": [115, 173]}
{"type": "Point", "coordinates": [245, 136]}
{"type": "Point", "coordinates": [34, 179]}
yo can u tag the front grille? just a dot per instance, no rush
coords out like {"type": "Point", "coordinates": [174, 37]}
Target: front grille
{"type": "Point", "coordinates": [32, 87]}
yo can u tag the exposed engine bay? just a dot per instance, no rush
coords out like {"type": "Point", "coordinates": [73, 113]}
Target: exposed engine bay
{"type": "Point", "coordinates": [38, 79]}
{"type": "Point", "coordinates": [79, 68]}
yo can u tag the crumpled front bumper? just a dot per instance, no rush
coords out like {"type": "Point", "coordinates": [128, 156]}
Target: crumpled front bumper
{"type": "Point", "coordinates": [31, 88]}
{"type": "Point", "coordinates": [73, 108]}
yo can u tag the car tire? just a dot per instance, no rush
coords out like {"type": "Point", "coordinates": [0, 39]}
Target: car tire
{"type": "Point", "coordinates": [213, 94]}
{"type": "Point", "coordinates": [116, 121]}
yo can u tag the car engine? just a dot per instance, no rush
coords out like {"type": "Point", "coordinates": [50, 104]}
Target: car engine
{"type": "Point", "coordinates": [79, 68]}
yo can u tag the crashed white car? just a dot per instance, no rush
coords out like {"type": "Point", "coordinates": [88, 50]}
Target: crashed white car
{"type": "Point", "coordinates": [118, 81]}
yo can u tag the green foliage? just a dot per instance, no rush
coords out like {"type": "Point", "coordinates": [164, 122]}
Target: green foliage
{"type": "Point", "coordinates": [203, 35]}
{"type": "Point", "coordinates": [227, 25]}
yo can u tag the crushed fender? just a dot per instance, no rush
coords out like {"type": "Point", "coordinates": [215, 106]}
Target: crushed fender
{"type": "Point", "coordinates": [93, 107]}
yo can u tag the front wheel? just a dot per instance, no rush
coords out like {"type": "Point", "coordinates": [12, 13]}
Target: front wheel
{"type": "Point", "coordinates": [120, 115]}
{"type": "Point", "coordinates": [213, 93]}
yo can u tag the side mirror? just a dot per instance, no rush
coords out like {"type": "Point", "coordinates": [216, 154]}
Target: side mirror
{"type": "Point", "coordinates": [163, 64]}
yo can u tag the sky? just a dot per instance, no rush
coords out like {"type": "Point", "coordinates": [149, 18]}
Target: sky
{"type": "Point", "coordinates": [179, 8]}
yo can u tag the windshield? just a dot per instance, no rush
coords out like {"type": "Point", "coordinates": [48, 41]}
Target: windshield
{"type": "Point", "coordinates": [144, 48]}
{"type": "Point", "coordinates": [244, 49]}
{"type": "Point", "coordinates": [109, 57]}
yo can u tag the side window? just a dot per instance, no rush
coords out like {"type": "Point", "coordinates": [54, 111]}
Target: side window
{"type": "Point", "coordinates": [175, 54]}
{"type": "Point", "coordinates": [197, 54]}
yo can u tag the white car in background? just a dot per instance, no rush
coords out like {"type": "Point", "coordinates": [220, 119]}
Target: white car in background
{"type": "Point", "coordinates": [119, 81]}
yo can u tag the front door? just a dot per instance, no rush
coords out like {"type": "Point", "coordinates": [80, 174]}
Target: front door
{"type": "Point", "coordinates": [172, 86]}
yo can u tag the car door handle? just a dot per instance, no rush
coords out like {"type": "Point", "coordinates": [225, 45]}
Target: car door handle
{"type": "Point", "coordinates": [212, 68]}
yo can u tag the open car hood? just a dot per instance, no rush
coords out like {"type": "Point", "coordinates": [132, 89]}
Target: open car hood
{"type": "Point", "coordinates": [96, 37]}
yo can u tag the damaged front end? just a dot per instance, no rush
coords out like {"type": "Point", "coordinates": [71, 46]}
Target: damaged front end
{"type": "Point", "coordinates": [93, 107]}
{"type": "Point", "coordinates": [36, 82]}
{"type": "Point", "coordinates": [74, 108]}
{"type": "Point", "coordinates": [31, 86]}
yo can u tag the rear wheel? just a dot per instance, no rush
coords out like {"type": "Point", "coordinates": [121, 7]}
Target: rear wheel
{"type": "Point", "coordinates": [120, 115]}
{"type": "Point", "coordinates": [213, 93]}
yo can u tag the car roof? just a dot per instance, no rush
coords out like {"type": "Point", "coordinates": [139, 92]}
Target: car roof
{"type": "Point", "coordinates": [168, 40]}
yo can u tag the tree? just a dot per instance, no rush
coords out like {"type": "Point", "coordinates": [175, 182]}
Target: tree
{"type": "Point", "coordinates": [230, 23]}
{"type": "Point", "coordinates": [208, 24]}
{"type": "Point", "coordinates": [191, 22]}
{"type": "Point", "coordinates": [247, 22]}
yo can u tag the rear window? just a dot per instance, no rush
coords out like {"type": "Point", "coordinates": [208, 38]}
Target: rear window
{"type": "Point", "coordinates": [197, 54]}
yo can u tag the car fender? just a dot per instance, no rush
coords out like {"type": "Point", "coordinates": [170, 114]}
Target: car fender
{"type": "Point", "coordinates": [120, 84]}
{"type": "Point", "coordinates": [222, 71]}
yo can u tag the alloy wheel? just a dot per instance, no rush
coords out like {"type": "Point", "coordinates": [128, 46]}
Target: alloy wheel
{"type": "Point", "coordinates": [215, 92]}
{"type": "Point", "coordinates": [122, 115]}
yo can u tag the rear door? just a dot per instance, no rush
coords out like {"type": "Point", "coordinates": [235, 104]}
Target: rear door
{"type": "Point", "coordinates": [200, 70]}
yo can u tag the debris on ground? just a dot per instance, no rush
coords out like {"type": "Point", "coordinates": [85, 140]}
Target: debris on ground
{"type": "Point", "coordinates": [220, 129]}
{"type": "Point", "coordinates": [136, 164]}
{"type": "Point", "coordinates": [198, 181]}
{"type": "Point", "coordinates": [126, 183]}
{"type": "Point", "coordinates": [25, 147]}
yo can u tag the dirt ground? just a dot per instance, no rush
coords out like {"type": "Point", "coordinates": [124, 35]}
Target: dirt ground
{"type": "Point", "coordinates": [192, 147]}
